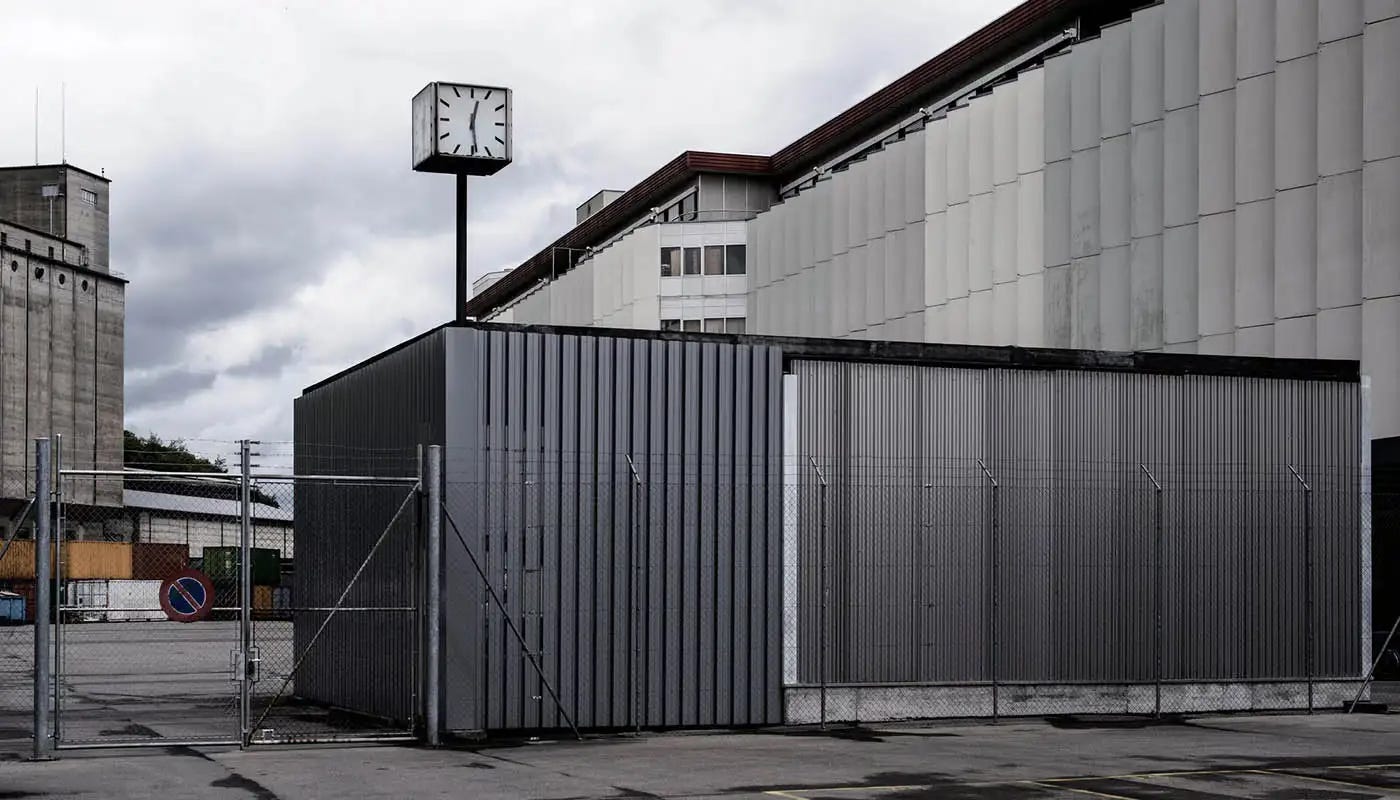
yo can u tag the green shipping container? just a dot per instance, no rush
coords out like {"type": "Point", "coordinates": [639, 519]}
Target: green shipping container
{"type": "Point", "coordinates": [221, 565]}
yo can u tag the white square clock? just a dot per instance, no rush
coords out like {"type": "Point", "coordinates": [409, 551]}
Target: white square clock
{"type": "Point", "coordinates": [461, 128]}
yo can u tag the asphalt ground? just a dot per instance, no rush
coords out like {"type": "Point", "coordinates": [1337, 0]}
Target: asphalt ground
{"type": "Point", "coordinates": [1283, 757]}
{"type": "Point", "coordinates": [131, 681]}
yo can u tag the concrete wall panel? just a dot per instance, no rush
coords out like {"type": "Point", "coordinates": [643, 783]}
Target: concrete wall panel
{"type": "Point", "coordinates": [1030, 310]}
{"type": "Point", "coordinates": [1004, 319]}
{"type": "Point", "coordinates": [979, 145]}
{"type": "Point", "coordinates": [934, 330]}
{"type": "Point", "coordinates": [877, 277]}
{"type": "Point", "coordinates": [1115, 191]}
{"type": "Point", "coordinates": [1084, 204]}
{"type": "Point", "coordinates": [957, 229]}
{"type": "Point", "coordinates": [1377, 10]}
{"type": "Point", "coordinates": [1059, 301]}
{"type": "Point", "coordinates": [1339, 106]}
{"type": "Point", "coordinates": [1056, 106]}
{"type": "Point", "coordinates": [1181, 54]}
{"type": "Point", "coordinates": [1084, 303]}
{"type": "Point", "coordinates": [1254, 264]}
{"type": "Point", "coordinates": [1216, 46]}
{"type": "Point", "coordinates": [1296, 337]}
{"type": "Point", "coordinates": [1005, 233]}
{"type": "Point", "coordinates": [1215, 281]}
{"type": "Point", "coordinates": [1339, 19]}
{"type": "Point", "coordinates": [1005, 99]}
{"type": "Point", "coordinates": [1146, 314]}
{"type": "Point", "coordinates": [1221, 344]}
{"type": "Point", "coordinates": [1296, 33]}
{"type": "Point", "coordinates": [1255, 31]}
{"type": "Point", "coordinates": [894, 162]}
{"type": "Point", "coordinates": [955, 322]}
{"type": "Point", "coordinates": [1180, 166]}
{"type": "Point", "coordinates": [1380, 136]}
{"type": "Point", "coordinates": [1295, 252]}
{"type": "Point", "coordinates": [874, 205]}
{"type": "Point", "coordinates": [981, 317]}
{"type": "Point", "coordinates": [936, 166]}
{"type": "Point", "coordinates": [959, 129]}
{"type": "Point", "coordinates": [1148, 189]}
{"type": "Point", "coordinates": [1216, 152]}
{"type": "Point", "coordinates": [1339, 332]}
{"type": "Point", "coordinates": [935, 260]}
{"type": "Point", "coordinates": [1380, 319]}
{"type": "Point", "coordinates": [979, 249]}
{"type": "Point", "coordinates": [1084, 119]}
{"type": "Point", "coordinates": [915, 154]}
{"type": "Point", "coordinates": [1255, 341]}
{"type": "Point", "coordinates": [857, 286]}
{"type": "Point", "coordinates": [1254, 138]}
{"type": "Point", "coordinates": [1295, 122]}
{"type": "Point", "coordinates": [1115, 79]}
{"type": "Point", "coordinates": [1148, 64]}
{"type": "Point", "coordinates": [1339, 240]}
{"type": "Point", "coordinates": [1030, 224]}
{"type": "Point", "coordinates": [840, 211]}
{"type": "Point", "coordinates": [1380, 230]}
{"type": "Point", "coordinates": [915, 258]}
{"type": "Point", "coordinates": [1179, 281]}
{"type": "Point", "coordinates": [1057, 213]}
{"type": "Point", "coordinates": [1115, 298]}
{"type": "Point", "coordinates": [1030, 121]}
{"type": "Point", "coordinates": [858, 210]}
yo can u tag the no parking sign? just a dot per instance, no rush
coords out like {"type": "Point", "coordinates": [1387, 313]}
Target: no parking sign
{"type": "Point", "coordinates": [187, 597]}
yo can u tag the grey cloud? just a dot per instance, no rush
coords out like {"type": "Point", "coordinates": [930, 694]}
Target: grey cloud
{"type": "Point", "coordinates": [166, 387]}
{"type": "Point", "coordinates": [268, 362]}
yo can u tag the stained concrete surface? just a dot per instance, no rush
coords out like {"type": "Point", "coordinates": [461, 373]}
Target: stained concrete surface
{"type": "Point", "coordinates": [1276, 757]}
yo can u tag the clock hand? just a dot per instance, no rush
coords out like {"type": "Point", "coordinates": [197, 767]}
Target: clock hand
{"type": "Point", "coordinates": [473, 123]}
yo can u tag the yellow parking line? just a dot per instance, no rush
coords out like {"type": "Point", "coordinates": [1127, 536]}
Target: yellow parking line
{"type": "Point", "coordinates": [777, 793]}
{"type": "Point", "coordinates": [1060, 787]}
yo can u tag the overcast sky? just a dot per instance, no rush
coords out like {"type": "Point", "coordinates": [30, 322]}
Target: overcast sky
{"type": "Point", "coordinates": [263, 205]}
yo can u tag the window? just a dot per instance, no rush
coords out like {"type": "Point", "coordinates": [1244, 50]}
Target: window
{"type": "Point", "coordinates": [670, 324]}
{"type": "Point", "coordinates": [670, 262]}
{"type": "Point", "coordinates": [734, 259]}
{"type": "Point", "coordinates": [689, 207]}
{"type": "Point", "coordinates": [734, 325]}
{"type": "Point", "coordinates": [692, 261]}
{"type": "Point", "coordinates": [88, 196]}
{"type": "Point", "coordinates": [714, 326]}
{"type": "Point", "coordinates": [692, 325]}
{"type": "Point", "coordinates": [714, 259]}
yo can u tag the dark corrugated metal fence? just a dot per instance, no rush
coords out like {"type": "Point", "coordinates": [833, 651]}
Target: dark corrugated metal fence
{"type": "Point", "coordinates": [624, 496]}
{"type": "Point", "coordinates": [1061, 572]}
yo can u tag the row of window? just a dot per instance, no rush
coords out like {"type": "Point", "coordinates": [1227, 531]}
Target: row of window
{"type": "Point", "coordinates": [710, 325]}
{"type": "Point", "coordinates": [712, 259]}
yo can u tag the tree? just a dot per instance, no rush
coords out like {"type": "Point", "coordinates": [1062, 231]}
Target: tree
{"type": "Point", "coordinates": [154, 454]}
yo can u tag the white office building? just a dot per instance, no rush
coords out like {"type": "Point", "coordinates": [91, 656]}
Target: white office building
{"type": "Point", "coordinates": [1193, 176]}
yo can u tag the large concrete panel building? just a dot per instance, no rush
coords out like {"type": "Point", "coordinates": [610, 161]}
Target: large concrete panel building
{"type": "Point", "coordinates": [62, 327]}
{"type": "Point", "coordinates": [1214, 177]}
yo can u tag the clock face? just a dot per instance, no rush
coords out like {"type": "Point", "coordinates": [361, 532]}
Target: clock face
{"type": "Point", "coordinates": [461, 128]}
{"type": "Point", "coordinates": [472, 121]}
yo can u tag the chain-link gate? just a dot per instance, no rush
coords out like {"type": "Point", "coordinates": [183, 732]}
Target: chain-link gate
{"type": "Point", "coordinates": [183, 616]}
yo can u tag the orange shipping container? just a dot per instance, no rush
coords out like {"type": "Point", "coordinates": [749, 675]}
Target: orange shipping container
{"type": "Point", "coordinates": [18, 563]}
{"type": "Point", "coordinates": [97, 560]}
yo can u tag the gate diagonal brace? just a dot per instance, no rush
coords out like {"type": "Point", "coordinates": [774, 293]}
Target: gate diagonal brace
{"type": "Point", "coordinates": [490, 590]}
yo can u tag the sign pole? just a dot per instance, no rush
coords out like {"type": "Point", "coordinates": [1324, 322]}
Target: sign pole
{"type": "Point", "coordinates": [460, 313]}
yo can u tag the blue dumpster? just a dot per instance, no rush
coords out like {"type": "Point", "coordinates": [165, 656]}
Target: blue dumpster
{"type": "Point", "coordinates": [11, 608]}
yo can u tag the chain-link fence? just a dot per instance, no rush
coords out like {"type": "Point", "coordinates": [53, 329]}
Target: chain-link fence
{"type": "Point", "coordinates": [935, 589]}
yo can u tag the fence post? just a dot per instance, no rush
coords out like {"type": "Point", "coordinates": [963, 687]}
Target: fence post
{"type": "Point", "coordinates": [57, 527]}
{"type": "Point", "coordinates": [821, 579]}
{"type": "Point", "coordinates": [992, 535]}
{"type": "Point", "coordinates": [1156, 592]}
{"type": "Point", "coordinates": [1307, 584]}
{"type": "Point", "coordinates": [636, 621]}
{"type": "Point", "coordinates": [433, 694]}
{"type": "Point", "coordinates": [43, 540]}
{"type": "Point", "coordinates": [245, 592]}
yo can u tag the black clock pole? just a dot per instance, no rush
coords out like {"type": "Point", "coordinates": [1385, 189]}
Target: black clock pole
{"type": "Point", "coordinates": [461, 246]}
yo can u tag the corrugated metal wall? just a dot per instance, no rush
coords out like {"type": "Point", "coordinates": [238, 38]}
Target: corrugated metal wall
{"type": "Point", "coordinates": [909, 525]}
{"type": "Point", "coordinates": [654, 601]}
{"type": "Point", "coordinates": [368, 422]}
